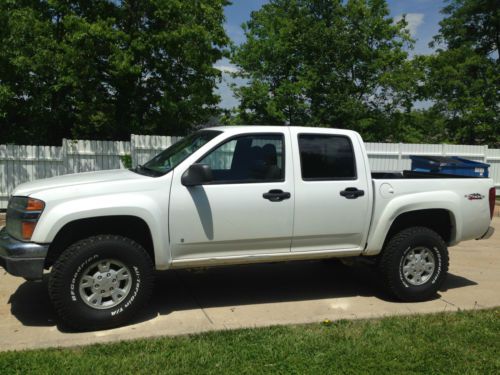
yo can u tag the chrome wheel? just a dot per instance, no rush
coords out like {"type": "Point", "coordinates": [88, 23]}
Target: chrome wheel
{"type": "Point", "coordinates": [418, 265]}
{"type": "Point", "coordinates": [105, 283]}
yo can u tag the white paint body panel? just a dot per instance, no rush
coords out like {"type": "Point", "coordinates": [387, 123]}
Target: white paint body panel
{"type": "Point", "coordinates": [107, 193]}
{"type": "Point", "coordinates": [231, 219]}
{"type": "Point", "coordinates": [232, 223]}
{"type": "Point", "coordinates": [470, 218]}
{"type": "Point", "coordinates": [324, 220]}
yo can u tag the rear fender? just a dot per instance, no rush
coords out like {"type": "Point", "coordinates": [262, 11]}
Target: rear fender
{"type": "Point", "coordinates": [444, 200]}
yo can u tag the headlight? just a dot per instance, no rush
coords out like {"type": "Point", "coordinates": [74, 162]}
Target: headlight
{"type": "Point", "coordinates": [22, 215]}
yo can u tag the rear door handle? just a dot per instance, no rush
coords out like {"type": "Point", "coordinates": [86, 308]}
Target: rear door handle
{"type": "Point", "coordinates": [276, 195]}
{"type": "Point", "coordinates": [352, 193]}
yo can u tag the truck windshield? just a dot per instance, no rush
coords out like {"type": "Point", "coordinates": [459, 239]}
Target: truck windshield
{"type": "Point", "coordinates": [175, 154]}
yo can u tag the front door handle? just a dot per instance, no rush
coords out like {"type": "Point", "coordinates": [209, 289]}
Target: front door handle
{"type": "Point", "coordinates": [276, 195]}
{"type": "Point", "coordinates": [352, 193]}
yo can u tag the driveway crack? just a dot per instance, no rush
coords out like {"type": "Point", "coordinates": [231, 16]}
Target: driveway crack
{"type": "Point", "coordinates": [193, 296]}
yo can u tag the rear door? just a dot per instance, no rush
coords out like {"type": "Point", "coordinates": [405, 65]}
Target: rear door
{"type": "Point", "coordinates": [332, 202]}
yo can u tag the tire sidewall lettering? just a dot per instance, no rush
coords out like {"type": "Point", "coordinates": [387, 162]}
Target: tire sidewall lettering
{"type": "Point", "coordinates": [116, 310]}
{"type": "Point", "coordinates": [437, 270]}
{"type": "Point", "coordinates": [74, 264]}
{"type": "Point", "coordinates": [76, 276]}
{"type": "Point", "coordinates": [400, 267]}
{"type": "Point", "coordinates": [129, 301]}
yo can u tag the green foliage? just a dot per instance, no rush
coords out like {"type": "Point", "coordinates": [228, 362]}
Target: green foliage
{"type": "Point", "coordinates": [325, 63]}
{"type": "Point", "coordinates": [104, 69]}
{"type": "Point", "coordinates": [465, 88]}
{"type": "Point", "coordinates": [452, 343]}
{"type": "Point", "coordinates": [464, 79]}
{"type": "Point", "coordinates": [474, 23]}
{"type": "Point", "coordinates": [126, 160]}
{"type": "Point", "coordinates": [344, 64]}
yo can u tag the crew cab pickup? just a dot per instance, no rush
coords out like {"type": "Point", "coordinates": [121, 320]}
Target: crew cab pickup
{"type": "Point", "coordinates": [234, 195]}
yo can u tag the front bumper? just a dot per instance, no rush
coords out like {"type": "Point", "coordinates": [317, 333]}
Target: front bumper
{"type": "Point", "coordinates": [25, 259]}
{"type": "Point", "coordinates": [487, 234]}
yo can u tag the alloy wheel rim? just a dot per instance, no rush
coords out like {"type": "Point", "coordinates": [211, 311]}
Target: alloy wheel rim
{"type": "Point", "coordinates": [418, 265]}
{"type": "Point", "coordinates": [105, 284]}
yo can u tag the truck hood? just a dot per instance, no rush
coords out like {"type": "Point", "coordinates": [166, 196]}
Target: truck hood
{"type": "Point", "coordinates": [34, 187]}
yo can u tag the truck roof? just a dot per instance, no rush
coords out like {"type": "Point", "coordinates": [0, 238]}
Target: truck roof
{"type": "Point", "coordinates": [257, 128]}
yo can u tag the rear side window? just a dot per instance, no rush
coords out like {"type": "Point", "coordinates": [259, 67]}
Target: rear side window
{"type": "Point", "coordinates": [326, 157]}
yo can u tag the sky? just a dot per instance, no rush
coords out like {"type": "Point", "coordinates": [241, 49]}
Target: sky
{"type": "Point", "coordinates": [423, 18]}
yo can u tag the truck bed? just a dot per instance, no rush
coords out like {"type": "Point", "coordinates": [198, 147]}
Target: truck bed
{"type": "Point", "coordinates": [414, 175]}
{"type": "Point", "coordinates": [465, 198]}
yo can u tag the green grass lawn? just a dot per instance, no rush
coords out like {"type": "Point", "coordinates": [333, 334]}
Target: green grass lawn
{"type": "Point", "coordinates": [462, 343]}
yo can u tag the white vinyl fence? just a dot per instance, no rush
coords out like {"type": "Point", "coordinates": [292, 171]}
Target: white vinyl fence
{"type": "Point", "coordinates": [20, 164]}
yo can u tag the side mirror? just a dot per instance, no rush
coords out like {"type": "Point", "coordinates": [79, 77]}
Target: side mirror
{"type": "Point", "coordinates": [197, 174]}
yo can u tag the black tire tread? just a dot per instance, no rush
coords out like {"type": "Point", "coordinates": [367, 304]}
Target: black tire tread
{"type": "Point", "coordinates": [56, 287]}
{"type": "Point", "coordinates": [392, 250]}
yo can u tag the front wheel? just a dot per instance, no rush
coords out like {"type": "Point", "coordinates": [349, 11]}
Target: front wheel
{"type": "Point", "coordinates": [100, 282]}
{"type": "Point", "coordinates": [414, 264]}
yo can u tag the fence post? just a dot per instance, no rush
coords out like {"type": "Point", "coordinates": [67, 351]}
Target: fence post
{"type": "Point", "coordinates": [64, 156]}
{"type": "Point", "coordinates": [132, 151]}
{"type": "Point", "coordinates": [400, 156]}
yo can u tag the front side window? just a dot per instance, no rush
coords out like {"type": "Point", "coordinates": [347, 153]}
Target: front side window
{"type": "Point", "coordinates": [175, 154]}
{"type": "Point", "coordinates": [326, 157]}
{"type": "Point", "coordinates": [249, 158]}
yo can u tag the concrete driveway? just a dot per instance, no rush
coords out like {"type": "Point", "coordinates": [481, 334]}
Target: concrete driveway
{"type": "Point", "coordinates": [254, 295]}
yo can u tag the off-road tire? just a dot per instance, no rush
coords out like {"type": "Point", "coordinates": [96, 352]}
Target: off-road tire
{"type": "Point", "coordinates": [68, 270]}
{"type": "Point", "coordinates": [392, 257]}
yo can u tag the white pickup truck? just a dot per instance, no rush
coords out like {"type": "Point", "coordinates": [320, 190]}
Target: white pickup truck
{"type": "Point", "coordinates": [233, 195]}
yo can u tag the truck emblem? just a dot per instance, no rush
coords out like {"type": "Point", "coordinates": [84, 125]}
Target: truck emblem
{"type": "Point", "coordinates": [474, 196]}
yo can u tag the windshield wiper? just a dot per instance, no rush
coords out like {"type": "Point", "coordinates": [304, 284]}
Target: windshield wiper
{"type": "Point", "coordinates": [149, 171]}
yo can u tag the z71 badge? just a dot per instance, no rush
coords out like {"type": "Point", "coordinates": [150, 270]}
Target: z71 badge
{"type": "Point", "coordinates": [474, 196]}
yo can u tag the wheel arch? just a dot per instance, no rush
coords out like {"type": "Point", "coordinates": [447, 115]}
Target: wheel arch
{"type": "Point", "coordinates": [439, 220]}
{"type": "Point", "coordinates": [442, 220]}
{"type": "Point", "coordinates": [129, 226]}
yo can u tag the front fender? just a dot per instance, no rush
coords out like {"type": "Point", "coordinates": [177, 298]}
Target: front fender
{"type": "Point", "coordinates": [152, 209]}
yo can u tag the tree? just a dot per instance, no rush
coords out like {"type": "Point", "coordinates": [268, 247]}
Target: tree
{"type": "Point", "coordinates": [465, 89]}
{"type": "Point", "coordinates": [463, 77]}
{"type": "Point", "coordinates": [326, 63]}
{"type": "Point", "coordinates": [104, 69]}
{"type": "Point", "coordinates": [475, 23]}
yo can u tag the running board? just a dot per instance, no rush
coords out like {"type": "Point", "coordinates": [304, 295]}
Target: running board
{"type": "Point", "coordinates": [263, 258]}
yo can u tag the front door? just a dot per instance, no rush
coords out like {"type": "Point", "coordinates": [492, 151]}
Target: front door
{"type": "Point", "coordinates": [248, 207]}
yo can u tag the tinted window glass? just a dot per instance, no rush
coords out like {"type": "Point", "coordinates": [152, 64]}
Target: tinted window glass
{"type": "Point", "coordinates": [326, 157]}
{"type": "Point", "coordinates": [250, 158]}
{"type": "Point", "coordinates": [175, 154]}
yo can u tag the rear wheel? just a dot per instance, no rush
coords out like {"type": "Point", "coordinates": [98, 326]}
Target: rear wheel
{"type": "Point", "coordinates": [414, 264]}
{"type": "Point", "coordinates": [100, 282]}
